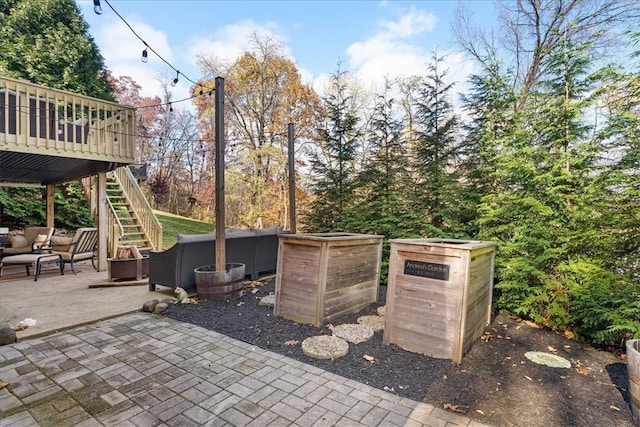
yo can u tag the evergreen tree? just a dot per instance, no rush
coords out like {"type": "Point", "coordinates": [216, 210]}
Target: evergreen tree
{"type": "Point", "coordinates": [333, 164]}
{"type": "Point", "coordinates": [549, 217]}
{"type": "Point", "coordinates": [490, 107]}
{"type": "Point", "coordinates": [383, 185]}
{"type": "Point", "coordinates": [48, 42]}
{"type": "Point", "coordinates": [606, 285]}
{"type": "Point", "coordinates": [438, 198]}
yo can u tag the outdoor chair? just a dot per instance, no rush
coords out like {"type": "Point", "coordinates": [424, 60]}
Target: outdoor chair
{"type": "Point", "coordinates": [33, 240]}
{"type": "Point", "coordinates": [81, 247]}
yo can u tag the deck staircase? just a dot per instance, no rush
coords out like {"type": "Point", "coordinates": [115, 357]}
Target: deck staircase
{"type": "Point", "coordinates": [131, 220]}
{"type": "Point", "coordinates": [132, 230]}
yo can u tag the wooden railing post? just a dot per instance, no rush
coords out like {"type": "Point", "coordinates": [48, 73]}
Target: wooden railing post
{"type": "Point", "coordinates": [102, 222]}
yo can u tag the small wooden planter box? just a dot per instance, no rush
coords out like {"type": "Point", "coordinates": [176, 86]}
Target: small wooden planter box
{"type": "Point", "coordinates": [322, 276]}
{"type": "Point", "coordinates": [438, 295]}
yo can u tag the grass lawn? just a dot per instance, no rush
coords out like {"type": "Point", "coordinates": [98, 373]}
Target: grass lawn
{"type": "Point", "coordinates": [174, 224]}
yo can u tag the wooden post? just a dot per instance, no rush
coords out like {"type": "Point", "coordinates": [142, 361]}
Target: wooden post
{"type": "Point", "coordinates": [219, 172]}
{"type": "Point", "coordinates": [102, 222]}
{"type": "Point", "coordinates": [50, 205]}
{"type": "Point", "coordinates": [292, 179]}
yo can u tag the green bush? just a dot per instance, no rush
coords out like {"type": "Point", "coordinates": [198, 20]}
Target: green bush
{"type": "Point", "coordinates": [27, 206]}
{"type": "Point", "coordinates": [605, 306]}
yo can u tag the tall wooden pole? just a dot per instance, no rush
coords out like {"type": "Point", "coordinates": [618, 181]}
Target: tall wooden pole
{"type": "Point", "coordinates": [219, 172]}
{"type": "Point", "coordinates": [292, 180]}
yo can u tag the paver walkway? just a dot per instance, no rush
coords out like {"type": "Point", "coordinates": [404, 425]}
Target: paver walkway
{"type": "Point", "coordinates": [146, 370]}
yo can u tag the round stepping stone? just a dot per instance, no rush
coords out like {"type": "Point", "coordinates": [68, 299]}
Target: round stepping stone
{"type": "Point", "coordinates": [547, 359]}
{"type": "Point", "coordinates": [353, 333]}
{"type": "Point", "coordinates": [267, 301]}
{"type": "Point", "coordinates": [382, 310]}
{"type": "Point", "coordinates": [376, 323]}
{"type": "Point", "coordinates": [325, 347]}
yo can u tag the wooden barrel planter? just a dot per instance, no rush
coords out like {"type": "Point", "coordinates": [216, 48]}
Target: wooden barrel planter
{"type": "Point", "coordinates": [212, 284]}
{"type": "Point", "coordinates": [633, 367]}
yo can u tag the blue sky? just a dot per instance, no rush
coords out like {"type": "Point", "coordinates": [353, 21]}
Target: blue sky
{"type": "Point", "coordinates": [371, 38]}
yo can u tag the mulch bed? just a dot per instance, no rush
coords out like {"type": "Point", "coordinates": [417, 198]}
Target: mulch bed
{"type": "Point", "coordinates": [494, 384]}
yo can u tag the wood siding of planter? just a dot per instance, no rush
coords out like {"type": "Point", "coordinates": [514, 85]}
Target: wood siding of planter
{"type": "Point", "coordinates": [439, 295]}
{"type": "Point", "coordinates": [322, 276]}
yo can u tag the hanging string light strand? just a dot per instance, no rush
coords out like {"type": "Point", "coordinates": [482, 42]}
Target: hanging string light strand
{"type": "Point", "coordinates": [146, 45]}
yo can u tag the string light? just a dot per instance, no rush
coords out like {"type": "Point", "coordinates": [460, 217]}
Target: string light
{"type": "Point", "coordinates": [145, 56]}
{"type": "Point", "coordinates": [96, 7]}
{"type": "Point", "coordinates": [175, 81]}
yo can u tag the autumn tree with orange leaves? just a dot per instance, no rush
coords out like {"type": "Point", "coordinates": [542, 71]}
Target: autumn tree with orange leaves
{"type": "Point", "coordinates": [263, 93]}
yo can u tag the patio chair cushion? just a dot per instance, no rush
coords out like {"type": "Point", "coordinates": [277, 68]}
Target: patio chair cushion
{"type": "Point", "coordinates": [61, 243]}
{"type": "Point", "coordinates": [32, 233]}
{"type": "Point", "coordinates": [29, 236]}
{"type": "Point", "coordinates": [40, 241]}
{"type": "Point", "coordinates": [18, 241]}
{"type": "Point", "coordinates": [67, 256]}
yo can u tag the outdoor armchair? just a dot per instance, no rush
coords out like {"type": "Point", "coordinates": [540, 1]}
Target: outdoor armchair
{"type": "Point", "coordinates": [34, 240]}
{"type": "Point", "coordinates": [82, 246]}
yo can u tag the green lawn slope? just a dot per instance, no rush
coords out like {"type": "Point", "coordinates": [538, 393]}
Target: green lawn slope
{"type": "Point", "coordinates": [174, 224]}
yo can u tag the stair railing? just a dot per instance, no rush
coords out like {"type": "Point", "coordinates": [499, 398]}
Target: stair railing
{"type": "Point", "coordinates": [141, 207]}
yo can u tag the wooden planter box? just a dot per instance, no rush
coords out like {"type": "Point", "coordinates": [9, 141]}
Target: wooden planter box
{"type": "Point", "coordinates": [128, 269]}
{"type": "Point", "coordinates": [322, 276]}
{"type": "Point", "coordinates": [438, 295]}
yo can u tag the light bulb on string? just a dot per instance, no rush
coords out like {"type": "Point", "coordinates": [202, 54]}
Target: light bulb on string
{"type": "Point", "coordinates": [175, 81]}
{"type": "Point", "coordinates": [96, 7]}
{"type": "Point", "coordinates": [145, 56]}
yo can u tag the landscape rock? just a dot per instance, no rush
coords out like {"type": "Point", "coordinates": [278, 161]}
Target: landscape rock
{"type": "Point", "coordinates": [149, 305]}
{"type": "Point", "coordinates": [7, 335]}
{"type": "Point", "coordinates": [160, 307]}
{"type": "Point", "coordinates": [382, 310]}
{"type": "Point", "coordinates": [267, 301]}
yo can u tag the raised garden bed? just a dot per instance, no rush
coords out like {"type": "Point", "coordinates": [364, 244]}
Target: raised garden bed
{"type": "Point", "coordinates": [322, 276]}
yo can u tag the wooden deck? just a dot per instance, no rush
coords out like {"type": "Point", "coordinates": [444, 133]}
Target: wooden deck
{"type": "Point", "coordinates": [49, 136]}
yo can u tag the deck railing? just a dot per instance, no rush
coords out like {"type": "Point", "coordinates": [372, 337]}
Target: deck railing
{"type": "Point", "coordinates": [39, 120]}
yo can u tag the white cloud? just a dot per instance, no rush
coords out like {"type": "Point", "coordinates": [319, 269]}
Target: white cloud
{"type": "Point", "coordinates": [122, 51]}
{"type": "Point", "coordinates": [392, 51]}
{"type": "Point", "coordinates": [414, 22]}
{"type": "Point", "coordinates": [230, 41]}
{"type": "Point", "coordinates": [117, 42]}
{"type": "Point", "coordinates": [399, 49]}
